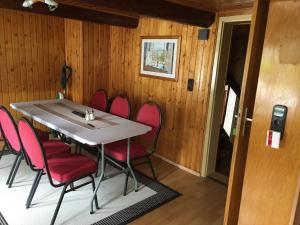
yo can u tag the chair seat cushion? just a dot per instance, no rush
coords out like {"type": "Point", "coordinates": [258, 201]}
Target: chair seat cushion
{"type": "Point", "coordinates": [42, 134]}
{"type": "Point", "coordinates": [55, 148]}
{"type": "Point", "coordinates": [66, 169]}
{"type": "Point", "coordinates": [118, 150]}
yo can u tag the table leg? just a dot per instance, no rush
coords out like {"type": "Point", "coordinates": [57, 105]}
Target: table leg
{"type": "Point", "coordinates": [129, 166]}
{"type": "Point", "coordinates": [100, 149]}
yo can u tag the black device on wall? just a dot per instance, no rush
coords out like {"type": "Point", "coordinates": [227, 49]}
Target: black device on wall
{"type": "Point", "coordinates": [278, 118]}
{"type": "Point", "coordinates": [190, 85]}
{"type": "Point", "coordinates": [203, 34]}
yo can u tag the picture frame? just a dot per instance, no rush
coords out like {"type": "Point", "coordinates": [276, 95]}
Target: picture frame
{"type": "Point", "coordinates": [160, 57]}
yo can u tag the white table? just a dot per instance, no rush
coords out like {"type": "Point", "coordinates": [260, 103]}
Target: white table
{"type": "Point", "coordinates": [106, 128]}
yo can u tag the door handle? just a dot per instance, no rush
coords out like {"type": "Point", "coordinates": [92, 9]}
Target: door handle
{"type": "Point", "coordinates": [245, 120]}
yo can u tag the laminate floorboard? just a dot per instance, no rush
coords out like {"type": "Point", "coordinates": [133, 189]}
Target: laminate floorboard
{"type": "Point", "coordinates": [202, 201]}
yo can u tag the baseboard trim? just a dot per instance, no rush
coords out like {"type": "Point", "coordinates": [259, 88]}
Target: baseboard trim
{"type": "Point", "coordinates": [177, 165]}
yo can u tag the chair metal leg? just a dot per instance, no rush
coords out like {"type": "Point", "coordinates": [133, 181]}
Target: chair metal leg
{"type": "Point", "coordinates": [130, 168]}
{"type": "Point", "coordinates": [15, 170]}
{"type": "Point", "coordinates": [80, 149]}
{"type": "Point", "coordinates": [126, 183]}
{"type": "Point", "coordinates": [33, 188]}
{"type": "Point", "coordinates": [151, 166]}
{"type": "Point", "coordinates": [58, 204]}
{"type": "Point", "coordinates": [72, 186]}
{"type": "Point", "coordinates": [12, 169]}
{"type": "Point", "coordinates": [94, 187]}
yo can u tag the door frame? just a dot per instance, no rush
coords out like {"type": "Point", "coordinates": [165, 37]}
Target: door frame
{"type": "Point", "coordinates": [209, 156]}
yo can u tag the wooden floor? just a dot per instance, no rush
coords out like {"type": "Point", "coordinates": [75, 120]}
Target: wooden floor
{"type": "Point", "coordinates": [202, 201]}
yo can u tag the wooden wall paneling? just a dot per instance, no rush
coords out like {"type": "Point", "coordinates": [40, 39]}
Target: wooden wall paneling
{"type": "Point", "coordinates": [204, 92]}
{"type": "Point", "coordinates": [45, 59]}
{"type": "Point", "coordinates": [23, 54]}
{"type": "Point", "coordinates": [15, 47]}
{"type": "Point", "coordinates": [9, 55]}
{"type": "Point", "coordinates": [74, 57]}
{"type": "Point", "coordinates": [127, 60]}
{"type": "Point", "coordinates": [34, 57]}
{"type": "Point", "coordinates": [182, 124]}
{"type": "Point", "coordinates": [86, 62]}
{"type": "Point", "coordinates": [51, 44]}
{"type": "Point", "coordinates": [90, 56]}
{"type": "Point", "coordinates": [96, 43]}
{"type": "Point", "coordinates": [21, 41]}
{"type": "Point", "coordinates": [58, 62]}
{"type": "Point", "coordinates": [27, 52]}
{"type": "Point", "coordinates": [177, 124]}
{"type": "Point", "coordinates": [136, 42]}
{"type": "Point", "coordinates": [40, 60]}
{"type": "Point", "coordinates": [180, 107]}
{"type": "Point", "coordinates": [271, 176]}
{"type": "Point", "coordinates": [194, 142]}
{"type": "Point", "coordinates": [192, 99]}
{"type": "Point", "coordinates": [168, 90]}
{"type": "Point", "coordinates": [132, 61]}
{"type": "Point", "coordinates": [3, 68]}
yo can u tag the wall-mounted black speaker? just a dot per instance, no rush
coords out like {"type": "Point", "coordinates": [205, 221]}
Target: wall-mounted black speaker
{"type": "Point", "coordinates": [190, 85]}
{"type": "Point", "coordinates": [203, 34]}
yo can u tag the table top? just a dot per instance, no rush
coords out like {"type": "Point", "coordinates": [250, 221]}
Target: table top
{"type": "Point", "coordinates": [57, 115]}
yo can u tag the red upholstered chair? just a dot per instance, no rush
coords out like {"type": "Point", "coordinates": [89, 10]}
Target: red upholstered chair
{"type": "Point", "coordinates": [4, 143]}
{"type": "Point", "coordinates": [10, 134]}
{"type": "Point", "coordinates": [120, 106]}
{"type": "Point", "coordinates": [99, 100]}
{"type": "Point", "coordinates": [61, 171]}
{"type": "Point", "coordinates": [142, 147]}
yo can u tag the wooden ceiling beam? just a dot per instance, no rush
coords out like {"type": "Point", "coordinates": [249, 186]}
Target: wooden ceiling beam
{"type": "Point", "coordinates": [73, 12]}
{"type": "Point", "coordinates": [161, 9]}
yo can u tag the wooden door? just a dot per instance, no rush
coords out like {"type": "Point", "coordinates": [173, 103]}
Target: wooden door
{"type": "Point", "coordinates": [271, 176]}
{"type": "Point", "coordinates": [248, 90]}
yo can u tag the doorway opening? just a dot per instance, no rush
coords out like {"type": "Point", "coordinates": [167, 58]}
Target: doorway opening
{"type": "Point", "coordinates": [231, 49]}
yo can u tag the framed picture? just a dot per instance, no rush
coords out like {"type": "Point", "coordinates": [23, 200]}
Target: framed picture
{"type": "Point", "coordinates": [160, 57]}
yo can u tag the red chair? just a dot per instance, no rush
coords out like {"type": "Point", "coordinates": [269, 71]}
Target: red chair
{"type": "Point", "coordinates": [4, 143]}
{"type": "Point", "coordinates": [64, 170]}
{"type": "Point", "coordinates": [142, 147]}
{"type": "Point", "coordinates": [10, 135]}
{"type": "Point", "coordinates": [120, 106]}
{"type": "Point", "coordinates": [99, 100]}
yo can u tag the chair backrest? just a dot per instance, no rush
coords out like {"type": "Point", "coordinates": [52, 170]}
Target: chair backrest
{"type": "Point", "coordinates": [99, 100]}
{"type": "Point", "coordinates": [9, 129]}
{"type": "Point", "coordinates": [150, 114]}
{"type": "Point", "coordinates": [31, 144]}
{"type": "Point", "coordinates": [120, 106]}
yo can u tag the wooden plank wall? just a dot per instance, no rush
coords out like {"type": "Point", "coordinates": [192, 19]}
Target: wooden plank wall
{"type": "Point", "coordinates": [272, 175]}
{"type": "Point", "coordinates": [74, 58]}
{"type": "Point", "coordinates": [184, 112]}
{"type": "Point", "coordinates": [32, 50]}
{"type": "Point", "coordinates": [96, 49]}
{"type": "Point", "coordinates": [108, 57]}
